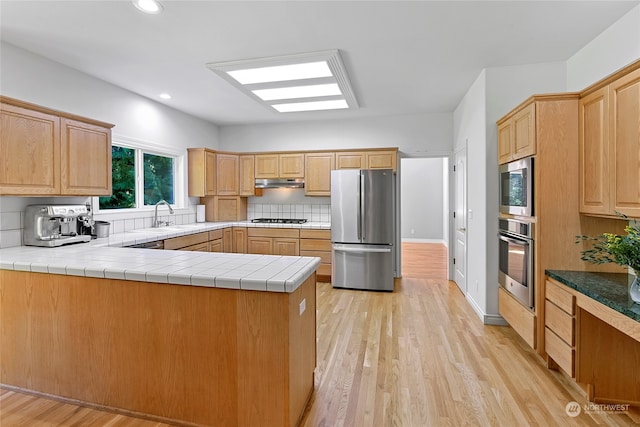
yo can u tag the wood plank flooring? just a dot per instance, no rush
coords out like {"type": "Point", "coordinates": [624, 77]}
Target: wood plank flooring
{"type": "Point", "coordinates": [416, 357]}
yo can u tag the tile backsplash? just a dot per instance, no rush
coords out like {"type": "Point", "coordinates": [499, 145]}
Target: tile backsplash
{"type": "Point", "coordinates": [310, 212]}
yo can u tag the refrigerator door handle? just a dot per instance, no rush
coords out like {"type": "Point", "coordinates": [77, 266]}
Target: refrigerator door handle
{"type": "Point", "coordinates": [361, 250]}
{"type": "Point", "coordinates": [361, 222]}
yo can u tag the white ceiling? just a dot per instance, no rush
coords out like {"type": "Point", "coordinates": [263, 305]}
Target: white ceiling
{"type": "Point", "coordinates": [403, 57]}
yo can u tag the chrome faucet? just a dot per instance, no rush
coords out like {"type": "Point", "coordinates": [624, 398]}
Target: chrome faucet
{"type": "Point", "coordinates": [157, 223]}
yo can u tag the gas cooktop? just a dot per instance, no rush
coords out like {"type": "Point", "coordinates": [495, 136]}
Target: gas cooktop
{"type": "Point", "coordinates": [279, 220]}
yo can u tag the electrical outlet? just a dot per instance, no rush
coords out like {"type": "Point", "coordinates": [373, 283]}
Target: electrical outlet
{"type": "Point", "coordinates": [303, 306]}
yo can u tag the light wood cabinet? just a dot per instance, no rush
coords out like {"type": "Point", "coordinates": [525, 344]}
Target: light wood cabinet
{"type": "Point", "coordinates": [225, 208]}
{"type": "Point", "coordinates": [190, 240]}
{"type": "Point", "coordinates": [273, 241]}
{"type": "Point", "coordinates": [247, 175]}
{"type": "Point", "coordinates": [202, 172]}
{"type": "Point", "coordinates": [517, 134]}
{"type": "Point", "coordinates": [318, 167]}
{"type": "Point", "coordinates": [86, 159]}
{"type": "Point", "coordinates": [367, 159]}
{"type": "Point", "coordinates": [284, 165]}
{"type": "Point", "coordinates": [47, 152]}
{"type": "Point", "coordinates": [610, 146]}
{"type": "Point", "coordinates": [520, 319]}
{"type": "Point", "coordinates": [227, 174]}
{"type": "Point", "coordinates": [227, 240]}
{"type": "Point", "coordinates": [317, 243]}
{"type": "Point", "coordinates": [560, 327]}
{"type": "Point", "coordinates": [239, 241]}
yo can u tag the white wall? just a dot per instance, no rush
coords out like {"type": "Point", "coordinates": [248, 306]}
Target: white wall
{"type": "Point", "coordinates": [423, 198]}
{"type": "Point", "coordinates": [34, 79]}
{"type": "Point", "coordinates": [617, 46]}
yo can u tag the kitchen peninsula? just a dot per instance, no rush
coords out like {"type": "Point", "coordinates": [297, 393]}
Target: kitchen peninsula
{"type": "Point", "coordinates": [183, 337]}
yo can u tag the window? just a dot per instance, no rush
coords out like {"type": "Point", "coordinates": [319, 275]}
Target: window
{"type": "Point", "coordinates": [141, 177]}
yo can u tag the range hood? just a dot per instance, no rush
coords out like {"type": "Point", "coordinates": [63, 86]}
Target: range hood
{"type": "Point", "coordinates": [280, 183]}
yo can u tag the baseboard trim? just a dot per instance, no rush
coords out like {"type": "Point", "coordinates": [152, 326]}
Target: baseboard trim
{"type": "Point", "coordinates": [487, 319]}
{"type": "Point", "coordinates": [424, 241]}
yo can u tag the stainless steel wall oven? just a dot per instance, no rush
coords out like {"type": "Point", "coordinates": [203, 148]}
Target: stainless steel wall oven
{"type": "Point", "coordinates": [516, 187]}
{"type": "Point", "coordinates": [516, 259]}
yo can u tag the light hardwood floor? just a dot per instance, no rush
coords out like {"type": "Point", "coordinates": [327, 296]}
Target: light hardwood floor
{"type": "Point", "coordinates": [416, 357]}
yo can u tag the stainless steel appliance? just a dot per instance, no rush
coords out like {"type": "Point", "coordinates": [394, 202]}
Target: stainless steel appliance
{"type": "Point", "coordinates": [516, 187]}
{"type": "Point", "coordinates": [362, 228]}
{"type": "Point", "coordinates": [56, 225]}
{"type": "Point", "coordinates": [280, 183]}
{"type": "Point", "coordinates": [516, 259]}
{"type": "Point", "coordinates": [156, 244]}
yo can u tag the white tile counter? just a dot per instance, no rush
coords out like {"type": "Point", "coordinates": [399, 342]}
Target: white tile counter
{"type": "Point", "coordinates": [108, 258]}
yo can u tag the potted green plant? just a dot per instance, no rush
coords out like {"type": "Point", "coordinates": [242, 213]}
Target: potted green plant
{"type": "Point", "coordinates": [620, 249]}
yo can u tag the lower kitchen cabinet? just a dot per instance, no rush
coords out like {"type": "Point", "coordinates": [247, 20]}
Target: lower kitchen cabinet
{"type": "Point", "coordinates": [273, 241]}
{"type": "Point", "coordinates": [317, 243]}
{"type": "Point", "coordinates": [519, 318]}
{"type": "Point", "coordinates": [559, 327]}
{"type": "Point", "coordinates": [239, 240]}
{"type": "Point", "coordinates": [189, 242]}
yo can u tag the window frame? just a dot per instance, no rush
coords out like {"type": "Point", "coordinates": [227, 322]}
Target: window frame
{"type": "Point", "coordinates": [144, 147]}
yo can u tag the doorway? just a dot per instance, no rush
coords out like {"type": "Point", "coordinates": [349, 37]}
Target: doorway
{"type": "Point", "coordinates": [425, 216]}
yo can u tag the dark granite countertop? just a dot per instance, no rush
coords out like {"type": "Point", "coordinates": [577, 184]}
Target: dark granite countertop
{"type": "Point", "coordinates": [610, 289]}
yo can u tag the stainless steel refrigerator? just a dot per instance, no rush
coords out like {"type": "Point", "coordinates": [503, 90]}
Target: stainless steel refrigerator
{"type": "Point", "coordinates": [362, 228]}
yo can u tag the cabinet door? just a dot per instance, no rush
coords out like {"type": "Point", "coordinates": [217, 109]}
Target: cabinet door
{"type": "Point", "coordinates": [594, 153]}
{"type": "Point", "coordinates": [381, 160]}
{"type": "Point", "coordinates": [29, 152]}
{"type": "Point", "coordinates": [505, 137]}
{"type": "Point", "coordinates": [624, 142]}
{"type": "Point", "coordinates": [247, 175]}
{"type": "Point", "coordinates": [285, 246]}
{"type": "Point", "coordinates": [209, 173]}
{"type": "Point", "coordinates": [227, 174]}
{"type": "Point", "coordinates": [85, 167]}
{"type": "Point", "coordinates": [239, 240]}
{"type": "Point", "coordinates": [524, 132]}
{"type": "Point", "coordinates": [266, 166]}
{"type": "Point", "coordinates": [216, 245]}
{"type": "Point", "coordinates": [351, 160]}
{"type": "Point", "coordinates": [227, 240]}
{"type": "Point", "coordinates": [317, 179]}
{"type": "Point", "coordinates": [260, 245]}
{"type": "Point", "coordinates": [291, 165]}
{"type": "Point", "coordinates": [202, 172]}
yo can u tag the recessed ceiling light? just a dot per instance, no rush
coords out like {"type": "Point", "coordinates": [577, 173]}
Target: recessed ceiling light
{"type": "Point", "coordinates": [165, 96]}
{"type": "Point", "coordinates": [148, 6]}
{"type": "Point", "coordinates": [308, 81]}
{"type": "Point", "coordinates": [294, 92]}
{"type": "Point", "coordinates": [311, 106]}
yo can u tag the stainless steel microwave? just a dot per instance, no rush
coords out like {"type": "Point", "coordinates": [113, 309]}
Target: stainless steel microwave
{"type": "Point", "coordinates": [516, 187]}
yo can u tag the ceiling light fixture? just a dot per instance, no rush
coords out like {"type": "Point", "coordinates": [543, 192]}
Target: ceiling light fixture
{"type": "Point", "coordinates": [148, 6]}
{"type": "Point", "coordinates": [165, 96]}
{"type": "Point", "coordinates": [310, 81]}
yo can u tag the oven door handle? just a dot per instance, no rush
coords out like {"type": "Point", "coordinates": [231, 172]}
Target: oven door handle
{"type": "Point", "coordinates": [522, 241]}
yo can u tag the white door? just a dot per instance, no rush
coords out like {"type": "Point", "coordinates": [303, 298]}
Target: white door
{"type": "Point", "coordinates": [460, 220]}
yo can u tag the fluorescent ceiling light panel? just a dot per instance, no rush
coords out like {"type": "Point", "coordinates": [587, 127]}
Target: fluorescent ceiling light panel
{"type": "Point", "coordinates": [294, 92]}
{"type": "Point", "coordinates": [282, 73]}
{"type": "Point", "coordinates": [311, 106]}
{"type": "Point", "coordinates": [308, 81]}
{"type": "Point", "coordinates": [148, 6]}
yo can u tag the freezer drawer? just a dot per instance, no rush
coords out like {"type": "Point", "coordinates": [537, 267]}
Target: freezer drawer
{"type": "Point", "coordinates": [362, 267]}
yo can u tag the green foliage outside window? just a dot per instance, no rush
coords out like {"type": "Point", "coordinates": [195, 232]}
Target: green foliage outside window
{"type": "Point", "coordinates": [158, 179]}
{"type": "Point", "coordinates": [123, 180]}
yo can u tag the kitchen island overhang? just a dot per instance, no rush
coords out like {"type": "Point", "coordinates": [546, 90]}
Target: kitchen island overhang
{"type": "Point", "coordinates": [146, 342]}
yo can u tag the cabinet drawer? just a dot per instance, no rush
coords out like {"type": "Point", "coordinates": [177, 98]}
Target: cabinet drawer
{"type": "Point", "coordinates": [200, 247]}
{"type": "Point", "coordinates": [560, 297]}
{"type": "Point", "coordinates": [273, 232]}
{"type": "Point", "coordinates": [559, 322]}
{"type": "Point", "coordinates": [315, 245]}
{"type": "Point", "coordinates": [184, 241]}
{"type": "Point", "coordinates": [559, 351]}
{"type": "Point", "coordinates": [215, 234]}
{"type": "Point", "coordinates": [519, 318]}
{"type": "Point", "coordinates": [324, 270]}
{"type": "Point", "coordinates": [315, 234]}
{"type": "Point", "coordinates": [324, 256]}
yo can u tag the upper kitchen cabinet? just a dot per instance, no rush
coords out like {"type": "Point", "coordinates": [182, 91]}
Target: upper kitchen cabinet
{"type": "Point", "coordinates": [517, 134]}
{"type": "Point", "coordinates": [318, 168]}
{"type": "Point", "coordinates": [284, 165]}
{"type": "Point", "coordinates": [247, 175]}
{"type": "Point", "coordinates": [610, 145]}
{"type": "Point", "coordinates": [227, 174]}
{"type": "Point", "coordinates": [202, 172]}
{"type": "Point", "coordinates": [86, 159]}
{"type": "Point", "coordinates": [46, 152]}
{"type": "Point", "coordinates": [370, 159]}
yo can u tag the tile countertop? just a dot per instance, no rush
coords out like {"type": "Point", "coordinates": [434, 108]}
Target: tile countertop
{"type": "Point", "coordinates": [109, 258]}
{"type": "Point", "coordinates": [610, 289]}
